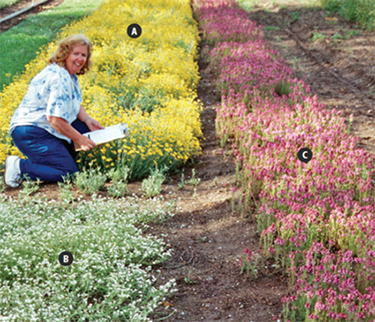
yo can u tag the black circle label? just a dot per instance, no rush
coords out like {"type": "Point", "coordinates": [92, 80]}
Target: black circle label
{"type": "Point", "coordinates": [65, 258]}
{"type": "Point", "coordinates": [134, 30]}
{"type": "Point", "coordinates": [305, 155]}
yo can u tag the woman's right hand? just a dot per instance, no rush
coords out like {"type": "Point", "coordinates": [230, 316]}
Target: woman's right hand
{"type": "Point", "coordinates": [85, 143]}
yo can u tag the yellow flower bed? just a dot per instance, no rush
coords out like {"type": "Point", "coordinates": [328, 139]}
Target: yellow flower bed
{"type": "Point", "coordinates": [148, 82]}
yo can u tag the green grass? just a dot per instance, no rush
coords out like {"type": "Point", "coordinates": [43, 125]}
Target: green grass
{"type": "Point", "coordinates": [271, 28]}
{"type": "Point", "coordinates": [110, 278]}
{"type": "Point", "coordinates": [249, 4]}
{"type": "Point", "coordinates": [317, 36]}
{"type": "Point", "coordinates": [19, 45]}
{"type": "Point", "coordinates": [6, 3]}
{"type": "Point", "coordinates": [361, 11]}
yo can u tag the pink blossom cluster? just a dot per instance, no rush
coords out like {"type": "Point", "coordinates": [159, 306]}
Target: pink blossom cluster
{"type": "Point", "coordinates": [316, 218]}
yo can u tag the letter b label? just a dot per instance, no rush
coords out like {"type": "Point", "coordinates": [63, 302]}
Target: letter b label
{"type": "Point", "coordinates": [65, 258]}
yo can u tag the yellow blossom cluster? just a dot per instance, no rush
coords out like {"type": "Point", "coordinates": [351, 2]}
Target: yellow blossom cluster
{"type": "Point", "coordinates": [148, 82]}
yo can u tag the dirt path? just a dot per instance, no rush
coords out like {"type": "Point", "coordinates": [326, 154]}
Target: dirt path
{"type": "Point", "coordinates": [340, 70]}
{"type": "Point", "coordinates": [207, 238]}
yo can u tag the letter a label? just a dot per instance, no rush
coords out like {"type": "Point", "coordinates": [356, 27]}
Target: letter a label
{"type": "Point", "coordinates": [134, 30]}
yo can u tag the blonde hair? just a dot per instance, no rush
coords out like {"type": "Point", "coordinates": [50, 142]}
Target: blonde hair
{"type": "Point", "coordinates": [66, 46]}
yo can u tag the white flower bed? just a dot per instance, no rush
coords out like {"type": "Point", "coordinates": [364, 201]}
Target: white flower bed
{"type": "Point", "coordinates": [110, 277]}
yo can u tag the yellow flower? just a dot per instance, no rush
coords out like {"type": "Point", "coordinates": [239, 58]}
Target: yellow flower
{"type": "Point", "coordinates": [150, 84]}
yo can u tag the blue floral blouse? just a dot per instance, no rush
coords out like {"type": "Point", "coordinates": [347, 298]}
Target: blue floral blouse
{"type": "Point", "coordinates": [52, 92]}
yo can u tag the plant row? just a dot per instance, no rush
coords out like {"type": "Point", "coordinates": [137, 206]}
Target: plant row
{"type": "Point", "coordinates": [148, 82]}
{"type": "Point", "coordinates": [110, 277]}
{"type": "Point", "coordinates": [316, 219]}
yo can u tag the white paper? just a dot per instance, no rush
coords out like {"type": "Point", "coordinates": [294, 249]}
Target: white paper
{"type": "Point", "coordinates": [108, 134]}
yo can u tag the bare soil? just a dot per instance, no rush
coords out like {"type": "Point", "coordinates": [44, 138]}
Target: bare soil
{"type": "Point", "coordinates": [206, 236]}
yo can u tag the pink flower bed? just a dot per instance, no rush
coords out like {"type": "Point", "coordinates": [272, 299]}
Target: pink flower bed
{"type": "Point", "coordinates": [317, 219]}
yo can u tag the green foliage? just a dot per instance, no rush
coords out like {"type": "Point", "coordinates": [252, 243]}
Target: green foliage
{"type": "Point", "coordinates": [66, 195]}
{"type": "Point", "coordinates": [119, 174]}
{"type": "Point", "coordinates": [252, 263]}
{"type": "Point", "coordinates": [271, 28]}
{"type": "Point", "coordinates": [331, 5]}
{"type": "Point", "coordinates": [152, 185]}
{"type": "Point", "coordinates": [193, 181]}
{"type": "Point", "coordinates": [29, 187]}
{"type": "Point", "coordinates": [282, 88]}
{"type": "Point", "coordinates": [119, 179]}
{"type": "Point", "coordinates": [294, 16]}
{"type": "Point", "coordinates": [362, 11]}
{"type": "Point", "coordinates": [90, 181]}
{"type": "Point", "coordinates": [188, 279]}
{"type": "Point", "coordinates": [318, 36]}
{"type": "Point", "coordinates": [110, 278]}
{"type": "Point", "coordinates": [2, 185]}
{"type": "Point", "coordinates": [181, 185]}
{"type": "Point", "coordinates": [6, 3]}
{"type": "Point", "coordinates": [118, 189]}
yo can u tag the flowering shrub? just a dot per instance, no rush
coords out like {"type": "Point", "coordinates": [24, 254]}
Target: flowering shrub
{"type": "Point", "coordinates": [316, 219]}
{"type": "Point", "coordinates": [148, 82]}
{"type": "Point", "coordinates": [110, 278]}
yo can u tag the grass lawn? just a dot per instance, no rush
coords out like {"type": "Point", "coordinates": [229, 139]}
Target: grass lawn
{"type": "Point", "coordinates": [6, 3]}
{"type": "Point", "coordinates": [20, 44]}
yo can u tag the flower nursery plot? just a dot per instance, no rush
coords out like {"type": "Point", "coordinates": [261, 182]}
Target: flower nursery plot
{"type": "Point", "coordinates": [305, 212]}
{"type": "Point", "coordinates": [149, 82]}
{"type": "Point", "coordinates": [207, 239]}
{"type": "Point", "coordinates": [109, 279]}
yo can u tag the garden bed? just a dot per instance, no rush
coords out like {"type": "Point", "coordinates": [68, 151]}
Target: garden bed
{"type": "Point", "coordinates": [206, 238]}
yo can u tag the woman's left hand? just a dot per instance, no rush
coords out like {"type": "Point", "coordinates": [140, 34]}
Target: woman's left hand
{"type": "Point", "coordinates": [93, 124]}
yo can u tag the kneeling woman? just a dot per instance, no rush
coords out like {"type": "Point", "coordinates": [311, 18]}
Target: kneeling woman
{"type": "Point", "coordinates": [50, 118]}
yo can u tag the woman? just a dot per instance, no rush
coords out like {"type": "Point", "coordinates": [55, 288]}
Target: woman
{"type": "Point", "coordinates": [50, 118]}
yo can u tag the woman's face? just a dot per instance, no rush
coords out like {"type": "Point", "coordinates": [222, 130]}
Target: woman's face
{"type": "Point", "coordinates": [76, 59]}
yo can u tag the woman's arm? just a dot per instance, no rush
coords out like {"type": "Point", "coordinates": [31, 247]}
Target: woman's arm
{"type": "Point", "coordinates": [90, 122]}
{"type": "Point", "coordinates": [63, 127]}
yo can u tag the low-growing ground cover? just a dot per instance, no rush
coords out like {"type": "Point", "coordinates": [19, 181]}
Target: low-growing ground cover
{"type": "Point", "coordinates": [313, 217]}
{"type": "Point", "coordinates": [110, 277]}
